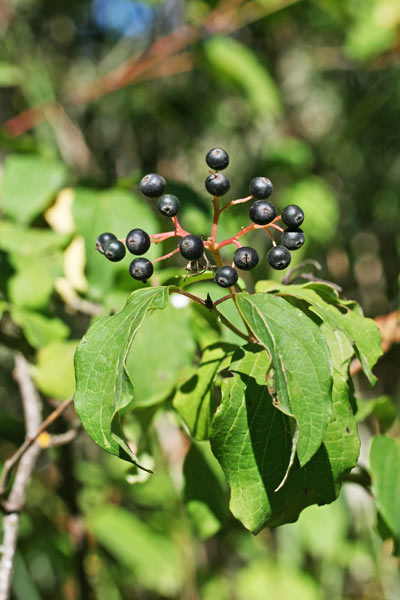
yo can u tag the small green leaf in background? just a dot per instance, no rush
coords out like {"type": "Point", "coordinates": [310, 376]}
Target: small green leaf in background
{"type": "Point", "coordinates": [382, 408]}
{"type": "Point", "coordinates": [33, 283]}
{"type": "Point", "coordinates": [29, 184]}
{"type": "Point", "coordinates": [204, 490]}
{"type": "Point", "coordinates": [38, 329]}
{"type": "Point", "coordinates": [239, 65]}
{"type": "Point", "coordinates": [150, 556]}
{"type": "Point", "coordinates": [31, 241]}
{"type": "Point", "coordinates": [385, 472]}
{"type": "Point", "coordinates": [194, 399]}
{"type": "Point", "coordinates": [54, 371]}
{"type": "Point", "coordinates": [166, 346]}
{"type": "Point", "coordinates": [302, 366]}
{"type": "Point", "coordinates": [103, 387]}
{"type": "Point", "coordinates": [116, 211]}
{"type": "Point", "coordinates": [319, 224]}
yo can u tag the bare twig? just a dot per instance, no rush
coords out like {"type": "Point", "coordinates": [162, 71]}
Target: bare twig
{"type": "Point", "coordinates": [32, 415]}
{"type": "Point", "coordinates": [12, 461]}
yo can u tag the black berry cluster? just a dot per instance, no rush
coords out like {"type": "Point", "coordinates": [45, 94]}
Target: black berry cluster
{"type": "Point", "coordinates": [201, 252]}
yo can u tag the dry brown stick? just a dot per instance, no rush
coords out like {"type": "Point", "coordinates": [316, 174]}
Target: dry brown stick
{"type": "Point", "coordinates": [32, 416]}
{"type": "Point", "coordinates": [30, 438]}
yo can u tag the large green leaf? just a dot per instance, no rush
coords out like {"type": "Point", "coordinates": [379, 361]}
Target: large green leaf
{"type": "Point", "coordinates": [385, 470]}
{"type": "Point", "coordinates": [363, 332]}
{"type": "Point", "coordinates": [302, 381]}
{"type": "Point", "coordinates": [54, 371]}
{"type": "Point", "coordinates": [117, 211]}
{"type": "Point", "coordinates": [33, 282]}
{"type": "Point", "coordinates": [252, 440]}
{"type": "Point", "coordinates": [194, 399]}
{"type": "Point", "coordinates": [29, 183]}
{"type": "Point", "coordinates": [103, 388]}
{"type": "Point", "coordinates": [38, 329]}
{"type": "Point", "coordinates": [150, 556]}
{"type": "Point", "coordinates": [166, 346]}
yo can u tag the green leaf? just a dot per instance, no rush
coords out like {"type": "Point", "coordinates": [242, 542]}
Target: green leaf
{"type": "Point", "coordinates": [113, 210]}
{"type": "Point", "coordinates": [252, 440]}
{"type": "Point", "coordinates": [385, 472]}
{"type": "Point", "coordinates": [150, 556]}
{"type": "Point", "coordinates": [30, 241]}
{"type": "Point", "coordinates": [194, 399]}
{"type": "Point", "coordinates": [54, 371]}
{"type": "Point", "coordinates": [239, 65]}
{"type": "Point", "coordinates": [383, 409]}
{"type": "Point", "coordinates": [166, 346]}
{"type": "Point", "coordinates": [320, 225]}
{"type": "Point", "coordinates": [38, 329]}
{"type": "Point", "coordinates": [29, 184]}
{"type": "Point", "coordinates": [103, 388]}
{"type": "Point", "coordinates": [302, 368]}
{"type": "Point", "coordinates": [363, 332]}
{"type": "Point", "coordinates": [33, 283]}
{"type": "Point", "coordinates": [204, 490]}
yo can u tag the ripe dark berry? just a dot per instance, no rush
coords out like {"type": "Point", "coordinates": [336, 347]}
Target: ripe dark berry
{"type": "Point", "coordinates": [292, 216]}
{"type": "Point", "coordinates": [260, 187]}
{"type": "Point", "coordinates": [217, 184]}
{"type": "Point", "coordinates": [217, 158]}
{"type": "Point", "coordinates": [293, 239]}
{"type": "Point", "coordinates": [114, 250]}
{"type": "Point", "coordinates": [262, 212]}
{"type": "Point", "coordinates": [102, 241]}
{"type": "Point", "coordinates": [141, 269]}
{"type": "Point", "coordinates": [245, 258]}
{"type": "Point", "coordinates": [226, 276]}
{"type": "Point", "coordinates": [168, 205]}
{"type": "Point", "coordinates": [153, 185]}
{"type": "Point", "coordinates": [191, 247]}
{"type": "Point", "coordinates": [137, 241]}
{"type": "Point", "coordinates": [279, 257]}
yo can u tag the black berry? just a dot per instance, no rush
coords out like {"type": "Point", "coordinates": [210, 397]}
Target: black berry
{"type": "Point", "coordinates": [260, 187]}
{"type": "Point", "coordinates": [191, 247]}
{"type": "Point", "coordinates": [102, 241]}
{"type": "Point", "coordinates": [153, 185]}
{"type": "Point", "coordinates": [245, 258]}
{"type": "Point", "coordinates": [138, 241]}
{"type": "Point", "coordinates": [217, 184]}
{"type": "Point", "coordinates": [226, 276]}
{"type": "Point", "coordinates": [279, 257]}
{"type": "Point", "coordinates": [292, 216]}
{"type": "Point", "coordinates": [168, 205]}
{"type": "Point", "coordinates": [217, 158]}
{"type": "Point", "coordinates": [293, 239]}
{"type": "Point", "coordinates": [141, 269]}
{"type": "Point", "coordinates": [262, 212]}
{"type": "Point", "coordinates": [114, 250]}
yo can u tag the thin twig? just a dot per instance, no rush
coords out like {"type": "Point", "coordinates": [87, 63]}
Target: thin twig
{"type": "Point", "coordinates": [32, 415]}
{"type": "Point", "coordinates": [30, 438]}
{"type": "Point", "coordinates": [231, 326]}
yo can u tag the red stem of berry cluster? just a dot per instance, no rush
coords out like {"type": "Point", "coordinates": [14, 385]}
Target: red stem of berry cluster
{"type": "Point", "coordinates": [211, 243]}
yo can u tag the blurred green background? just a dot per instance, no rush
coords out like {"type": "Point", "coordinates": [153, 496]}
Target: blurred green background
{"type": "Point", "coordinates": [93, 95]}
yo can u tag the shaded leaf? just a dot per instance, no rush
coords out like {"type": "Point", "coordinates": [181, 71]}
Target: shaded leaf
{"type": "Point", "coordinates": [302, 368]}
{"type": "Point", "coordinates": [103, 388]}
{"type": "Point", "coordinates": [29, 183]}
{"type": "Point", "coordinates": [38, 329]}
{"type": "Point", "coordinates": [33, 283]}
{"type": "Point", "coordinates": [194, 399]}
{"type": "Point", "coordinates": [30, 241]}
{"type": "Point", "coordinates": [204, 490]}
